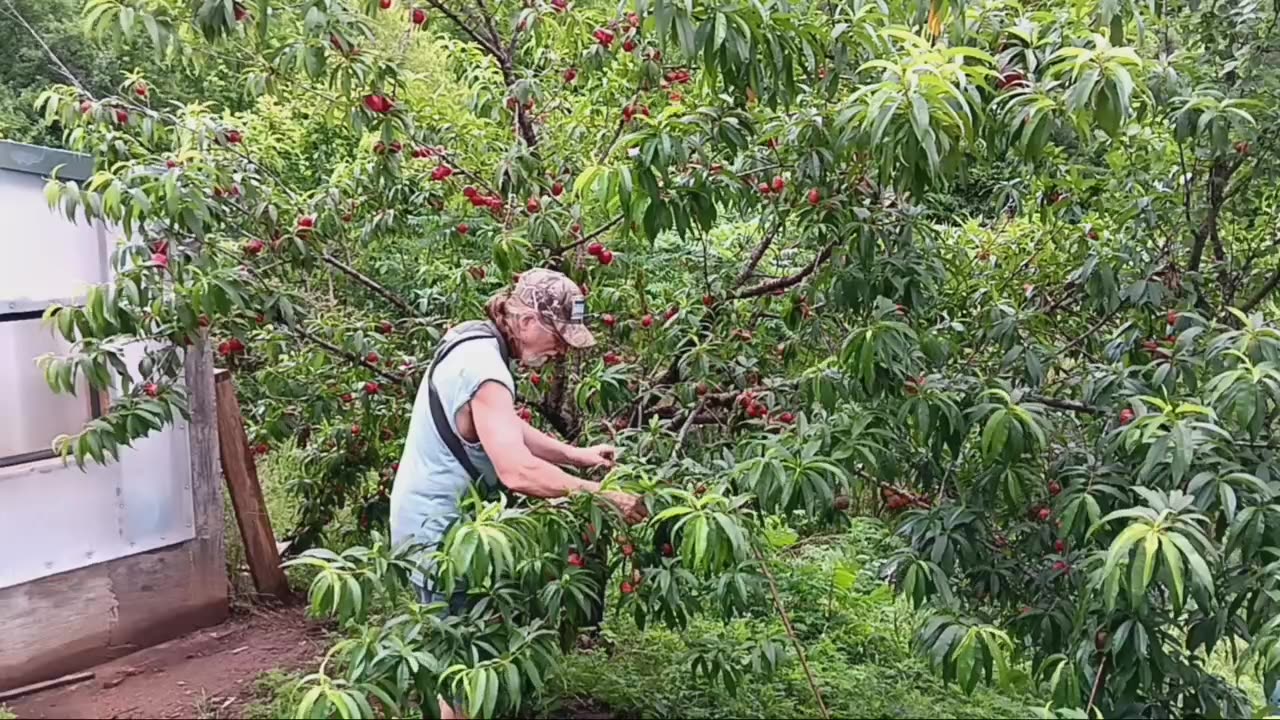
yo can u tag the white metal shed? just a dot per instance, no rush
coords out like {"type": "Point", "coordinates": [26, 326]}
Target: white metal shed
{"type": "Point", "coordinates": [93, 563]}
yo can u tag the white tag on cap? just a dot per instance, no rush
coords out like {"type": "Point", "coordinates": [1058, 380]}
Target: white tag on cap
{"type": "Point", "coordinates": [579, 311]}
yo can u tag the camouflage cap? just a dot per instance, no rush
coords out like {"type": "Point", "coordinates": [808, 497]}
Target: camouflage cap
{"type": "Point", "coordinates": [559, 302]}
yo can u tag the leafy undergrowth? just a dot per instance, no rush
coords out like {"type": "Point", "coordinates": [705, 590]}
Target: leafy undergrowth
{"type": "Point", "coordinates": [856, 634]}
{"type": "Point", "coordinates": [273, 696]}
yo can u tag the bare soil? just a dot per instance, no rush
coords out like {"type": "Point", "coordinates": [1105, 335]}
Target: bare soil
{"type": "Point", "coordinates": [208, 673]}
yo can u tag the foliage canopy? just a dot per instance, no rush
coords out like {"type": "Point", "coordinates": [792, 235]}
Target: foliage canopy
{"type": "Point", "coordinates": [1000, 271]}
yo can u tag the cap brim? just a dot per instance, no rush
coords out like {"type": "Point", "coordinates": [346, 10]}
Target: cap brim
{"type": "Point", "coordinates": [578, 336]}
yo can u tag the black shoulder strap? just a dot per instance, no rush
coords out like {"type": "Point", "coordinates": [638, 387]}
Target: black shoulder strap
{"type": "Point", "coordinates": [445, 430]}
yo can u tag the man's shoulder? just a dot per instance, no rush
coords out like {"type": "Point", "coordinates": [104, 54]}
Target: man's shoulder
{"type": "Point", "coordinates": [468, 337]}
{"type": "Point", "coordinates": [478, 354]}
{"type": "Point", "coordinates": [470, 327]}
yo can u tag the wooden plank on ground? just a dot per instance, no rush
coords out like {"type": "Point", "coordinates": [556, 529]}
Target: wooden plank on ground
{"type": "Point", "coordinates": [246, 493]}
{"type": "Point", "coordinates": [37, 687]}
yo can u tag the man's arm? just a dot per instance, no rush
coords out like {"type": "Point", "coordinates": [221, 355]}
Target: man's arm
{"type": "Point", "coordinates": [519, 465]}
{"type": "Point", "coordinates": [501, 434]}
{"type": "Point", "coordinates": [545, 447]}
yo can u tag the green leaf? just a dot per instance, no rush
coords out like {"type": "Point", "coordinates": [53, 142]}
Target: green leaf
{"type": "Point", "coordinates": [477, 692]}
{"type": "Point", "coordinates": [684, 28]}
{"type": "Point", "coordinates": [308, 701]}
{"type": "Point", "coordinates": [1120, 546]}
{"type": "Point", "coordinates": [1173, 561]}
{"type": "Point", "coordinates": [995, 433]}
{"type": "Point", "coordinates": [491, 692]}
{"type": "Point", "coordinates": [1150, 546]}
{"type": "Point", "coordinates": [1199, 568]}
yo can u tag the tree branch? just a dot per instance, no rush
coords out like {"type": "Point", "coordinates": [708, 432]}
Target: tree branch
{"type": "Point", "coordinates": [61, 68]}
{"type": "Point", "coordinates": [525, 124]}
{"type": "Point", "coordinates": [1219, 176]}
{"type": "Point", "coordinates": [486, 16]}
{"type": "Point", "coordinates": [1263, 292]}
{"type": "Point", "coordinates": [1092, 329]}
{"type": "Point", "coordinates": [514, 46]}
{"type": "Point", "coordinates": [351, 272]}
{"type": "Point", "coordinates": [457, 20]}
{"type": "Point", "coordinates": [368, 283]}
{"type": "Point", "coordinates": [758, 254]}
{"type": "Point", "coordinates": [591, 235]}
{"type": "Point", "coordinates": [688, 423]}
{"type": "Point", "coordinates": [1101, 321]}
{"type": "Point", "coordinates": [791, 633]}
{"type": "Point", "coordinates": [786, 282]}
{"type": "Point", "coordinates": [1067, 294]}
{"type": "Point", "coordinates": [345, 354]}
{"type": "Point", "coordinates": [1186, 185]}
{"type": "Point", "coordinates": [567, 429]}
{"type": "Point", "coordinates": [1068, 405]}
{"type": "Point", "coordinates": [451, 159]}
{"type": "Point", "coordinates": [300, 331]}
{"type": "Point", "coordinates": [1097, 684]}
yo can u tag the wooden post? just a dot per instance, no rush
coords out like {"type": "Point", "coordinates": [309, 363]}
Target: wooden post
{"type": "Point", "coordinates": [246, 493]}
{"type": "Point", "coordinates": [208, 550]}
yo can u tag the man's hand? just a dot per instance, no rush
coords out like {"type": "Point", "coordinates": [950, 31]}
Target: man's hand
{"type": "Point", "coordinates": [632, 506]}
{"type": "Point", "coordinates": [604, 456]}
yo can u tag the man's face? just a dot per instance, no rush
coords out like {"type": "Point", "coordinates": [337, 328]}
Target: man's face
{"type": "Point", "coordinates": [539, 342]}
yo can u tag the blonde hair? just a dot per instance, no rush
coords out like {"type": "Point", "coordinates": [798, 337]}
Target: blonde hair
{"type": "Point", "coordinates": [501, 308]}
{"type": "Point", "coordinates": [496, 307]}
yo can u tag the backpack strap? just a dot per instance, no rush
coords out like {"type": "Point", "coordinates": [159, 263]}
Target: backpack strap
{"type": "Point", "coordinates": [438, 414]}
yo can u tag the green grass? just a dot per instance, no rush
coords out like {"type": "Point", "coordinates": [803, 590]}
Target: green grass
{"type": "Point", "coordinates": [857, 643]}
{"type": "Point", "coordinates": [1223, 664]}
{"type": "Point", "coordinates": [644, 676]}
{"type": "Point", "coordinates": [273, 696]}
{"type": "Point", "coordinates": [6, 714]}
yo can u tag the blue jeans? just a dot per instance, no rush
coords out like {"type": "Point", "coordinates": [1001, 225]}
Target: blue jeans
{"type": "Point", "coordinates": [457, 605]}
{"type": "Point", "coordinates": [457, 602]}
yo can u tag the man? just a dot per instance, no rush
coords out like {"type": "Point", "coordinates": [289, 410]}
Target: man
{"type": "Point", "coordinates": [465, 428]}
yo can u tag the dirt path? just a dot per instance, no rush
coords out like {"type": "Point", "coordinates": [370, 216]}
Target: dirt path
{"type": "Point", "coordinates": [208, 673]}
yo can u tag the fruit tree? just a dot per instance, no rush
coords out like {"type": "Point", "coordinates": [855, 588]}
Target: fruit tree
{"type": "Point", "coordinates": [1001, 272]}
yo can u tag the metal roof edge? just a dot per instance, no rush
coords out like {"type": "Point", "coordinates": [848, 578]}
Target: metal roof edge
{"type": "Point", "coordinates": [39, 160]}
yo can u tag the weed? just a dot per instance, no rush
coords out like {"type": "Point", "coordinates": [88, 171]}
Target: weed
{"type": "Point", "coordinates": [209, 707]}
{"type": "Point", "coordinates": [273, 696]}
{"type": "Point", "coordinates": [857, 638]}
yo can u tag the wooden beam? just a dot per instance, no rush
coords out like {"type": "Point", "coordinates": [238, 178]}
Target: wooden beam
{"type": "Point", "coordinates": [246, 493]}
{"type": "Point", "coordinates": [209, 551]}
{"type": "Point", "coordinates": [37, 687]}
